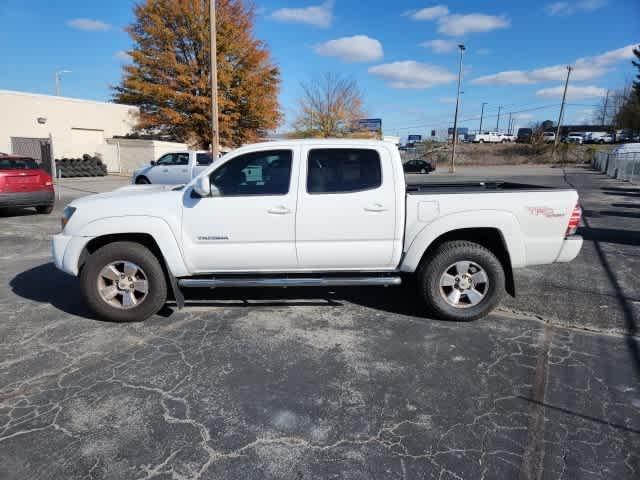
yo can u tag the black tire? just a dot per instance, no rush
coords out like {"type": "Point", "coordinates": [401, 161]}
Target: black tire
{"type": "Point", "coordinates": [481, 141]}
{"type": "Point", "coordinates": [129, 252]}
{"type": "Point", "coordinates": [142, 181]}
{"type": "Point", "coordinates": [44, 209]}
{"type": "Point", "coordinates": [423, 171]}
{"type": "Point", "coordinates": [449, 253]}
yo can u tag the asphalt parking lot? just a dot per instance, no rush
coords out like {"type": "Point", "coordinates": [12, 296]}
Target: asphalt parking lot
{"type": "Point", "coordinates": [316, 383]}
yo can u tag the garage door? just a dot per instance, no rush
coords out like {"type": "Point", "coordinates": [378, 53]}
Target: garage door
{"type": "Point", "coordinates": [86, 140]}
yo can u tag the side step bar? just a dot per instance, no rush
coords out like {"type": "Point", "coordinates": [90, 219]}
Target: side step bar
{"type": "Point", "coordinates": [288, 282]}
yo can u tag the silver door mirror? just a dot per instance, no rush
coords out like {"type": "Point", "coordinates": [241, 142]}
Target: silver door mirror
{"type": "Point", "coordinates": [203, 186]}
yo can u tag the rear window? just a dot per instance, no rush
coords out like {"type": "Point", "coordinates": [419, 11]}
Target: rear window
{"type": "Point", "coordinates": [204, 159]}
{"type": "Point", "coordinates": [336, 170]}
{"type": "Point", "coordinates": [18, 164]}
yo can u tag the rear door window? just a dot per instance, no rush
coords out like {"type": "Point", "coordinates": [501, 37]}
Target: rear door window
{"type": "Point", "coordinates": [343, 170]}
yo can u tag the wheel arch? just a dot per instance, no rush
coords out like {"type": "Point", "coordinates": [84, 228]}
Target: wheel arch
{"type": "Point", "coordinates": [489, 237]}
{"type": "Point", "coordinates": [145, 239]}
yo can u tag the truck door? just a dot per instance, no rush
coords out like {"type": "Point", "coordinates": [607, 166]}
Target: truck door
{"type": "Point", "coordinates": [346, 215]}
{"type": "Point", "coordinates": [171, 169]}
{"type": "Point", "coordinates": [250, 225]}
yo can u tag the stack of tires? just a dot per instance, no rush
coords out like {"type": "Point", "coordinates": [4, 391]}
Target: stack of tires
{"type": "Point", "coordinates": [87, 166]}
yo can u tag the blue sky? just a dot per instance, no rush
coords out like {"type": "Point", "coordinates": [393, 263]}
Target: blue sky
{"type": "Point", "coordinates": [403, 54]}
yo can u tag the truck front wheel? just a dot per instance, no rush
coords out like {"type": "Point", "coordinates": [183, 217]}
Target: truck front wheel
{"type": "Point", "coordinates": [123, 282]}
{"type": "Point", "coordinates": [461, 281]}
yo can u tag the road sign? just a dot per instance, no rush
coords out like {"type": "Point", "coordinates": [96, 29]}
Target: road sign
{"type": "Point", "coordinates": [369, 124]}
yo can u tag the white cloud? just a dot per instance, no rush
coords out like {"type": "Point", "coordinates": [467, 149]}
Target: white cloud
{"type": "Point", "coordinates": [569, 8]}
{"type": "Point", "coordinates": [412, 74]}
{"type": "Point", "coordinates": [89, 25]}
{"type": "Point", "coordinates": [122, 55]}
{"type": "Point", "coordinates": [586, 68]}
{"type": "Point", "coordinates": [429, 13]}
{"type": "Point", "coordinates": [573, 92]}
{"type": "Point", "coordinates": [440, 46]}
{"type": "Point", "coordinates": [317, 15]}
{"type": "Point", "coordinates": [358, 48]}
{"type": "Point", "coordinates": [456, 25]}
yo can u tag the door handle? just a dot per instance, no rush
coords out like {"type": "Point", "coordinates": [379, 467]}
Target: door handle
{"type": "Point", "coordinates": [376, 207]}
{"type": "Point", "coordinates": [279, 210]}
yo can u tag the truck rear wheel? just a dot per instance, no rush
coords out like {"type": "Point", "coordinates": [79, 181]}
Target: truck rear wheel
{"type": "Point", "coordinates": [123, 282]}
{"type": "Point", "coordinates": [462, 281]}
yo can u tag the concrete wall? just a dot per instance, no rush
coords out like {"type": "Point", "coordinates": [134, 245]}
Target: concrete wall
{"type": "Point", "coordinates": [76, 126]}
{"type": "Point", "coordinates": [126, 155]}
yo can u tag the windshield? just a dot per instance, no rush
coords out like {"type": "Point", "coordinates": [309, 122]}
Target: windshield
{"type": "Point", "coordinates": [18, 164]}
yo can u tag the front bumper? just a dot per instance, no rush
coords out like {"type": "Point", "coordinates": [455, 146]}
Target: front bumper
{"type": "Point", "coordinates": [27, 199]}
{"type": "Point", "coordinates": [570, 248]}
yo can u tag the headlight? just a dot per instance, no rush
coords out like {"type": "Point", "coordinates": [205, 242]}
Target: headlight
{"type": "Point", "coordinates": [67, 213]}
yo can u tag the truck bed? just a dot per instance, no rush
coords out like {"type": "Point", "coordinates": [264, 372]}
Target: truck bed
{"type": "Point", "coordinates": [489, 186]}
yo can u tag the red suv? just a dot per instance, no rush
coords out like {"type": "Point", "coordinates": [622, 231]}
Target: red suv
{"type": "Point", "coordinates": [24, 184]}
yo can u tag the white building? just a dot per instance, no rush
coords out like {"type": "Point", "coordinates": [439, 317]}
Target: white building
{"type": "Point", "coordinates": [74, 126]}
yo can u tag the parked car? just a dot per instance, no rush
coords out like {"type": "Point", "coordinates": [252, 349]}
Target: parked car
{"type": "Point", "coordinates": [575, 137]}
{"type": "Point", "coordinates": [524, 135]}
{"type": "Point", "coordinates": [598, 137]}
{"type": "Point", "coordinates": [507, 137]}
{"type": "Point", "coordinates": [487, 137]}
{"type": "Point", "coordinates": [548, 137]}
{"type": "Point", "coordinates": [313, 213]}
{"type": "Point", "coordinates": [623, 136]}
{"type": "Point", "coordinates": [175, 168]}
{"type": "Point", "coordinates": [418, 166]}
{"type": "Point", "coordinates": [23, 184]}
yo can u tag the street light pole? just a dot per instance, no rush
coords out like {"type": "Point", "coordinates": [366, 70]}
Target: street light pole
{"type": "Point", "coordinates": [498, 121]}
{"type": "Point", "coordinates": [482, 115]}
{"type": "Point", "coordinates": [56, 75]}
{"type": "Point", "coordinates": [564, 97]}
{"type": "Point", "coordinates": [452, 168]}
{"type": "Point", "coordinates": [215, 134]}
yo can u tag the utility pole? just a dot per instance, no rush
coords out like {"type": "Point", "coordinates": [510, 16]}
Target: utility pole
{"type": "Point", "coordinates": [604, 110]}
{"type": "Point", "coordinates": [481, 115]}
{"type": "Point", "coordinates": [452, 168]}
{"type": "Point", "coordinates": [564, 98]}
{"type": "Point", "coordinates": [57, 75]}
{"type": "Point", "coordinates": [498, 122]}
{"type": "Point", "coordinates": [215, 137]}
{"type": "Point", "coordinates": [509, 124]}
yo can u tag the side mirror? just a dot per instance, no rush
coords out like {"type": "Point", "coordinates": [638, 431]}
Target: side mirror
{"type": "Point", "coordinates": [203, 187]}
{"type": "Point", "coordinates": [153, 163]}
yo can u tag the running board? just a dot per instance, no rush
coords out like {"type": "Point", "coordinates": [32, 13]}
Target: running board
{"type": "Point", "coordinates": [289, 282]}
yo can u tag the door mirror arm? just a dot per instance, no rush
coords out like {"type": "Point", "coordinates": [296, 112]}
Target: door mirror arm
{"type": "Point", "coordinates": [153, 163]}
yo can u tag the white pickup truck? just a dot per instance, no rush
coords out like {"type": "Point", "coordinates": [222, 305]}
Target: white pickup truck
{"type": "Point", "coordinates": [175, 168]}
{"type": "Point", "coordinates": [312, 213]}
{"type": "Point", "coordinates": [492, 137]}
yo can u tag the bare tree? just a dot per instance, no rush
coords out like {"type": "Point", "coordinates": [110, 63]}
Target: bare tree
{"type": "Point", "coordinates": [329, 106]}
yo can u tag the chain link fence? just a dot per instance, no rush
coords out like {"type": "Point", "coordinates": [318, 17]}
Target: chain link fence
{"type": "Point", "coordinates": [622, 165]}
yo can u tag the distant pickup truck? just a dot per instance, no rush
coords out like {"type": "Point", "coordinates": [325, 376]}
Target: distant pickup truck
{"type": "Point", "coordinates": [321, 213]}
{"type": "Point", "coordinates": [492, 137]}
{"type": "Point", "coordinates": [175, 168]}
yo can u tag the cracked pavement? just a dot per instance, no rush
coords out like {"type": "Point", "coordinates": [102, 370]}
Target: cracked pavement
{"type": "Point", "coordinates": [320, 383]}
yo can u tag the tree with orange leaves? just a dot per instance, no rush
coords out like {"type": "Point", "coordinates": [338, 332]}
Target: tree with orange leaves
{"type": "Point", "coordinates": [169, 73]}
